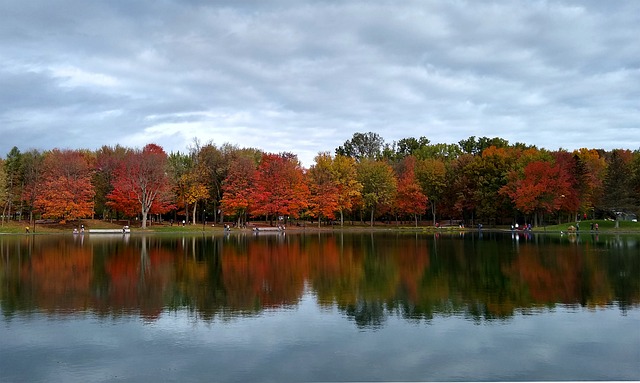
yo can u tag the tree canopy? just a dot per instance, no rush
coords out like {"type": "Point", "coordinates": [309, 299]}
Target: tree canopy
{"type": "Point", "coordinates": [478, 179]}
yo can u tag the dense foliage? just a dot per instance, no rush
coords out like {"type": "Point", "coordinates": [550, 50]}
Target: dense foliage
{"type": "Point", "coordinates": [479, 180]}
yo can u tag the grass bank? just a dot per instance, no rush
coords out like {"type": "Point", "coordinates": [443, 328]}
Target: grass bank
{"type": "Point", "coordinates": [13, 227]}
{"type": "Point", "coordinates": [604, 226]}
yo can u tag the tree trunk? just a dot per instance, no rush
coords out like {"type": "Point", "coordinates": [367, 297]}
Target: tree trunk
{"type": "Point", "coordinates": [144, 219]}
{"type": "Point", "coordinates": [433, 212]}
{"type": "Point", "coordinates": [371, 217]}
{"type": "Point", "coordinates": [4, 211]}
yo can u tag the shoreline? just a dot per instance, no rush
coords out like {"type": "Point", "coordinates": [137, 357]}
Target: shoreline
{"type": "Point", "coordinates": [314, 230]}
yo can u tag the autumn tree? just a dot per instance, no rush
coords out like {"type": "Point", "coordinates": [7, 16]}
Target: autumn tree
{"type": "Point", "coordinates": [67, 192]}
{"type": "Point", "coordinates": [410, 199]}
{"type": "Point", "coordinates": [462, 186]}
{"type": "Point", "coordinates": [379, 185]}
{"type": "Point", "coordinates": [573, 171]}
{"type": "Point", "coordinates": [323, 187]}
{"type": "Point", "coordinates": [196, 192]}
{"type": "Point", "coordinates": [211, 165]}
{"type": "Point", "coordinates": [196, 181]}
{"type": "Point", "coordinates": [179, 166]}
{"type": "Point", "coordinates": [141, 180]}
{"type": "Point", "coordinates": [237, 188]}
{"type": "Point", "coordinates": [107, 160]}
{"type": "Point", "coordinates": [590, 171]}
{"type": "Point", "coordinates": [538, 189]}
{"type": "Point", "coordinates": [345, 175]}
{"type": "Point", "coordinates": [280, 188]}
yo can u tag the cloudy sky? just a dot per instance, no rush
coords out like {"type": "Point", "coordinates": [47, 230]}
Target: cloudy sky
{"type": "Point", "coordinates": [303, 76]}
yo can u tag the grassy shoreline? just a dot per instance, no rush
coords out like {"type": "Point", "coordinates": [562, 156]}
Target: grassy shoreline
{"type": "Point", "coordinates": [605, 226]}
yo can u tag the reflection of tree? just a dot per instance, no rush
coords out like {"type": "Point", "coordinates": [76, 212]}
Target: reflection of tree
{"type": "Point", "coordinates": [366, 313]}
{"type": "Point", "coordinates": [623, 270]}
{"type": "Point", "coordinates": [366, 277]}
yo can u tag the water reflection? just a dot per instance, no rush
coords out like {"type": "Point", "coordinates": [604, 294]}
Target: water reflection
{"type": "Point", "coordinates": [368, 277]}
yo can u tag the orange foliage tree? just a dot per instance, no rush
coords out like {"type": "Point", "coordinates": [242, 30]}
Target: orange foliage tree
{"type": "Point", "coordinates": [410, 198]}
{"type": "Point", "coordinates": [280, 188]}
{"type": "Point", "coordinates": [237, 188]}
{"type": "Point", "coordinates": [590, 166]}
{"type": "Point", "coordinates": [324, 189]}
{"type": "Point", "coordinates": [66, 192]}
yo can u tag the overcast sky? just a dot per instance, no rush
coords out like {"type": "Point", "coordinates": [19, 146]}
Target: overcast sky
{"type": "Point", "coordinates": [303, 76]}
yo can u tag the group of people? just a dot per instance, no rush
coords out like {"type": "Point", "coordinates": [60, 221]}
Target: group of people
{"type": "Point", "coordinates": [526, 227]}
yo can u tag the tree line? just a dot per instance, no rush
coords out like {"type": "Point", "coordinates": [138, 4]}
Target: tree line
{"type": "Point", "coordinates": [478, 180]}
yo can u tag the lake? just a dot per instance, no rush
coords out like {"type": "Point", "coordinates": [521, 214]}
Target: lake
{"type": "Point", "coordinates": [382, 306]}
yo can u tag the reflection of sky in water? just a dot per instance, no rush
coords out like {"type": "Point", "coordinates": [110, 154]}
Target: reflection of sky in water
{"type": "Point", "coordinates": [306, 343]}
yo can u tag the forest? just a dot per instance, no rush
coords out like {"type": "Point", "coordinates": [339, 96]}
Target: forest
{"type": "Point", "coordinates": [366, 180]}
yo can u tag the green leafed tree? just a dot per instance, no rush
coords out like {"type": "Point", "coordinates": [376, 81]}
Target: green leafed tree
{"type": "Point", "coordinates": [33, 173]}
{"type": "Point", "coordinates": [362, 146]}
{"type": "Point", "coordinates": [345, 174]}
{"type": "Point", "coordinates": [379, 185]}
{"type": "Point", "coordinates": [13, 176]}
{"type": "Point", "coordinates": [431, 175]}
{"type": "Point", "coordinates": [3, 186]}
{"type": "Point", "coordinates": [619, 197]}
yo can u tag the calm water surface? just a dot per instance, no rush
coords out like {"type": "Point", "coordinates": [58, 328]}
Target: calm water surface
{"type": "Point", "coordinates": [319, 307]}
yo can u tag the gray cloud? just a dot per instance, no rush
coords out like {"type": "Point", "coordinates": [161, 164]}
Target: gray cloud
{"type": "Point", "coordinates": [305, 76]}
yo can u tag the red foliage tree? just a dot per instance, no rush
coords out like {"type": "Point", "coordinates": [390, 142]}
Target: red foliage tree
{"type": "Point", "coordinates": [141, 181]}
{"type": "Point", "coordinates": [539, 189]}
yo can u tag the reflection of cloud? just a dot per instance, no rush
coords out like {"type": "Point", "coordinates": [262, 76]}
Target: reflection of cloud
{"type": "Point", "coordinates": [313, 344]}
